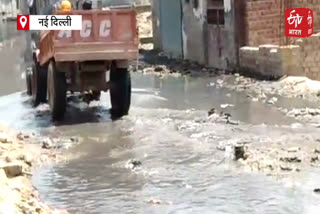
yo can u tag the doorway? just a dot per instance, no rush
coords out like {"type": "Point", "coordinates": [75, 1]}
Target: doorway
{"type": "Point", "coordinates": [171, 27]}
{"type": "Point", "coordinates": [216, 31]}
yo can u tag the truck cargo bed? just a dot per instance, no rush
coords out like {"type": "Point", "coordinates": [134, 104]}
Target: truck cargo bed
{"type": "Point", "coordinates": [106, 35]}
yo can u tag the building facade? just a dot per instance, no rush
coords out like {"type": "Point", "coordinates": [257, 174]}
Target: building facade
{"type": "Point", "coordinates": [200, 30]}
{"type": "Point", "coordinates": [267, 51]}
{"type": "Point", "coordinates": [9, 8]}
{"type": "Point", "coordinates": [224, 34]}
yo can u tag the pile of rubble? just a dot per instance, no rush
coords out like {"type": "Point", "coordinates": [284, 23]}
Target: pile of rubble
{"type": "Point", "coordinates": [145, 30]}
{"type": "Point", "coordinates": [307, 115]}
{"type": "Point", "coordinates": [145, 24]}
{"type": "Point", "coordinates": [17, 160]}
{"type": "Point", "coordinates": [300, 87]}
{"type": "Point", "coordinates": [272, 158]}
{"type": "Point", "coordinates": [159, 64]}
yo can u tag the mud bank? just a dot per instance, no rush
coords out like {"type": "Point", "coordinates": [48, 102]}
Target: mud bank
{"type": "Point", "coordinates": [276, 155]}
{"type": "Point", "coordinates": [281, 160]}
{"type": "Point", "coordinates": [152, 62]}
{"type": "Point", "coordinates": [18, 159]}
{"type": "Point", "coordinates": [297, 87]}
{"type": "Point", "coordinates": [290, 87]}
{"type": "Point", "coordinates": [301, 91]}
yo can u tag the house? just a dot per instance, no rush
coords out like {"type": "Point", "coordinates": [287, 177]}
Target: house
{"type": "Point", "coordinates": [9, 8]}
{"type": "Point", "coordinates": [197, 30]}
{"type": "Point", "coordinates": [234, 34]}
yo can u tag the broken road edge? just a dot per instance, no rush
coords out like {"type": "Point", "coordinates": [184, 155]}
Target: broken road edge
{"type": "Point", "coordinates": [18, 159]}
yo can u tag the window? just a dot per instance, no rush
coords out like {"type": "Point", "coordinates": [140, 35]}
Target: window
{"type": "Point", "coordinates": [215, 12]}
{"type": "Point", "coordinates": [195, 4]}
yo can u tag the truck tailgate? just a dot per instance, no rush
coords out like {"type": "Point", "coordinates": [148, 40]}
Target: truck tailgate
{"type": "Point", "coordinates": [105, 35]}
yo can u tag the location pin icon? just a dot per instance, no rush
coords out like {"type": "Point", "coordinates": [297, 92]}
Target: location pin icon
{"type": "Point", "coordinates": [23, 21]}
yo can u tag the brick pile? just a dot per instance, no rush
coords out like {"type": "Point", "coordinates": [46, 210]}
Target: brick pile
{"type": "Point", "coordinates": [264, 60]}
{"type": "Point", "coordinates": [290, 60]}
{"type": "Point", "coordinates": [248, 58]}
{"type": "Point", "coordinates": [271, 61]}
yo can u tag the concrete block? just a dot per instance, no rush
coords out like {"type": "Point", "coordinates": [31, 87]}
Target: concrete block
{"type": "Point", "coordinates": [249, 49]}
{"type": "Point", "coordinates": [267, 49]}
{"type": "Point", "coordinates": [12, 169]}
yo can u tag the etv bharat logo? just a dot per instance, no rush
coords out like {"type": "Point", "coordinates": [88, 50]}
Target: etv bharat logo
{"type": "Point", "coordinates": [299, 22]}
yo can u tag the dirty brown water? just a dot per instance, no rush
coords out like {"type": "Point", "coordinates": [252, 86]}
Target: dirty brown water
{"type": "Point", "coordinates": [168, 132]}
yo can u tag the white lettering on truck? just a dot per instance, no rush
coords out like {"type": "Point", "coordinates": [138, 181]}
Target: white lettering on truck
{"type": "Point", "coordinates": [105, 27]}
{"type": "Point", "coordinates": [104, 30]}
{"type": "Point", "coordinates": [86, 28]}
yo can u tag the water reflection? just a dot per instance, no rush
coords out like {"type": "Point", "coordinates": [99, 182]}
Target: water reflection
{"type": "Point", "coordinates": [185, 93]}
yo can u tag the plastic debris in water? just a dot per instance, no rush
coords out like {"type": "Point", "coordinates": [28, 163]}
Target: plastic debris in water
{"type": "Point", "coordinates": [133, 164]}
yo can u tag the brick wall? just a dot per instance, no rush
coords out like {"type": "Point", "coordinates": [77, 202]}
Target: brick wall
{"type": "Point", "coordinates": [264, 24]}
{"type": "Point", "coordinates": [310, 56]}
{"type": "Point", "coordinates": [302, 59]}
{"type": "Point", "coordinates": [313, 5]}
{"type": "Point", "coordinates": [264, 20]}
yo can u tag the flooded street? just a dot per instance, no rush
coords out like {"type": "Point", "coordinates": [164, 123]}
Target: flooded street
{"type": "Point", "coordinates": [164, 156]}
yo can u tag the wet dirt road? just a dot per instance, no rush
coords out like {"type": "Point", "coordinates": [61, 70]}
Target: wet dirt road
{"type": "Point", "coordinates": [177, 167]}
{"type": "Point", "coordinates": [180, 162]}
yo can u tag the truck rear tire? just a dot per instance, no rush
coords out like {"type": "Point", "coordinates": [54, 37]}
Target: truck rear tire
{"type": "Point", "coordinates": [57, 92]}
{"type": "Point", "coordinates": [38, 83]}
{"type": "Point", "coordinates": [120, 92]}
{"type": "Point", "coordinates": [96, 95]}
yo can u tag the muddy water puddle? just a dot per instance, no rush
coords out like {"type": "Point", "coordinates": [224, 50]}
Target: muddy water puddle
{"type": "Point", "coordinates": [179, 173]}
{"type": "Point", "coordinates": [180, 169]}
{"type": "Point", "coordinates": [150, 93]}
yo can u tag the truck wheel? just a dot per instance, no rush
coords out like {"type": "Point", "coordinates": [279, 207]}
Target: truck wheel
{"type": "Point", "coordinates": [29, 83]}
{"type": "Point", "coordinates": [96, 95]}
{"type": "Point", "coordinates": [57, 92]}
{"type": "Point", "coordinates": [120, 92]}
{"type": "Point", "coordinates": [39, 83]}
{"type": "Point", "coordinates": [129, 96]}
